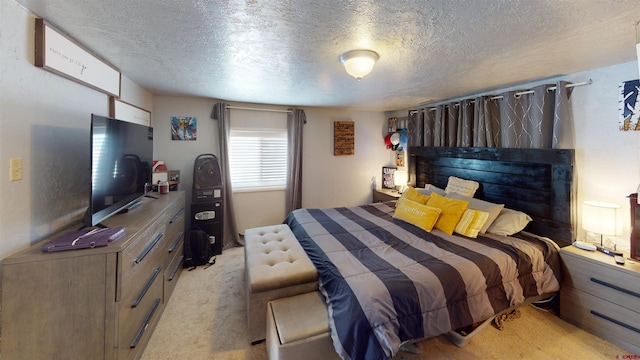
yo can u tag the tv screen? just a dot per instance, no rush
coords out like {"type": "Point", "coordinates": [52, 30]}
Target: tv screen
{"type": "Point", "coordinates": [121, 160]}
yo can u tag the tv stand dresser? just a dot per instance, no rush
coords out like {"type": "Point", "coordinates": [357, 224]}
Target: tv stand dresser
{"type": "Point", "coordinates": [100, 303]}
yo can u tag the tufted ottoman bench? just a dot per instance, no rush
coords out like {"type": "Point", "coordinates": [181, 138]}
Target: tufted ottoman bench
{"type": "Point", "coordinates": [298, 328]}
{"type": "Point", "coordinates": [276, 266]}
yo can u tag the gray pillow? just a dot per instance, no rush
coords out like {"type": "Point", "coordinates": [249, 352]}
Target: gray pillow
{"type": "Point", "coordinates": [477, 204]}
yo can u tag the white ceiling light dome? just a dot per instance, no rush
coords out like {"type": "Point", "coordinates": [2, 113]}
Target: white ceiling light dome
{"type": "Point", "coordinates": [359, 63]}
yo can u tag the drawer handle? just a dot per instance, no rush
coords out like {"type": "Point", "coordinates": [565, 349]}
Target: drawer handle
{"type": "Point", "coordinates": [176, 242]}
{"type": "Point", "coordinates": [617, 322]}
{"type": "Point", "coordinates": [145, 325]}
{"type": "Point", "coordinates": [175, 269]}
{"type": "Point", "coordinates": [148, 249]}
{"type": "Point", "coordinates": [146, 287]}
{"type": "Point", "coordinates": [626, 291]}
{"type": "Point", "coordinates": [176, 216]}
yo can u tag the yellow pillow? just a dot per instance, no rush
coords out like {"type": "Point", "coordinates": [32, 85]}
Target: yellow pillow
{"type": "Point", "coordinates": [452, 210]}
{"type": "Point", "coordinates": [420, 215]}
{"type": "Point", "coordinates": [415, 195]}
{"type": "Point", "coordinates": [471, 222]}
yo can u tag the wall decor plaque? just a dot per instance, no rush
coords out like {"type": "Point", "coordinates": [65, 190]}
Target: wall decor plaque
{"type": "Point", "coordinates": [125, 111]}
{"type": "Point", "coordinates": [343, 138]}
{"type": "Point", "coordinates": [58, 53]}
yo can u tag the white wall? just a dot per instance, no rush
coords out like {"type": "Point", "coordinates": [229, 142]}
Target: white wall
{"type": "Point", "coordinates": [330, 180]}
{"type": "Point", "coordinates": [45, 120]}
{"type": "Point", "coordinates": [327, 180]}
{"type": "Point", "coordinates": [607, 160]}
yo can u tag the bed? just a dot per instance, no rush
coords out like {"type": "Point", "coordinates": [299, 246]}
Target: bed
{"type": "Point", "coordinates": [388, 282]}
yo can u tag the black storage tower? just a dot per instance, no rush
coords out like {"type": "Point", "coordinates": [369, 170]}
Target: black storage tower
{"type": "Point", "coordinates": [207, 206]}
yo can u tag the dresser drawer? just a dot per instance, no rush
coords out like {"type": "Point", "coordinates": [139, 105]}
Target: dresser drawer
{"type": "Point", "coordinates": [614, 323]}
{"type": "Point", "coordinates": [174, 234]}
{"type": "Point", "coordinates": [133, 322]}
{"type": "Point", "coordinates": [620, 287]}
{"type": "Point", "coordinates": [173, 271]}
{"type": "Point", "coordinates": [140, 259]}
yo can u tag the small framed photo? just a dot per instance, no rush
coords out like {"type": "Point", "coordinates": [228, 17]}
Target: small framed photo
{"type": "Point", "coordinates": [174, 175]}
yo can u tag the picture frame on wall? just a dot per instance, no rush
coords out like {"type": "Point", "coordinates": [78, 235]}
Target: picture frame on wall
{"type": "Point", "coordinates": [343, 138]}
{"type": "Point", "coordinates": [124, 111]}
{"type": "Point", "coordinates": [184, 128]}
{"type": "Point", "coordinates": [400, 158]}
{"type": "Point", "coordinates": [58, 53]}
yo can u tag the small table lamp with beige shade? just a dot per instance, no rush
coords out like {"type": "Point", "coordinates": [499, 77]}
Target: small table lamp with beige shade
{"type": "Point", "coordinates": [600, 218]}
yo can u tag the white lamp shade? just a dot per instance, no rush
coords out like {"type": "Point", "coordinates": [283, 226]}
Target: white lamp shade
{"type": "Point", "coordinates": [400, 178]}
{"type": "Point", "coordinates": [359, 63]}
{"type": "Point", "coordinates": [600, 217]}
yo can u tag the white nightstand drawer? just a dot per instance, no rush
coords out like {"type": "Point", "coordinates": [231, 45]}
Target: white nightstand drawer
{"type": "Point", "coordinates": [615, 323]}
{"type": "Point", "coordinates": [610, 282]}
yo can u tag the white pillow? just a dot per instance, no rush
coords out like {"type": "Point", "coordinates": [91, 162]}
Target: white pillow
{"type": "Point", "coordinates": [509, 222]}
{"type": "Point", "coordinates": [477, 204]}
{"type": "Point", "coordinates": [461, 186]}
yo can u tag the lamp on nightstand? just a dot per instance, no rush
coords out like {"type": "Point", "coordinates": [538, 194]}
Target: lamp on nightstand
{"type": "Point", "coordinates": [600, 218]}
{"type": "Point", "coordinates": [400, 180]}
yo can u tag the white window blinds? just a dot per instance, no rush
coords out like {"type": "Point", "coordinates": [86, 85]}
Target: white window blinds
{"type": "Point", "coordinates": [258, 158]}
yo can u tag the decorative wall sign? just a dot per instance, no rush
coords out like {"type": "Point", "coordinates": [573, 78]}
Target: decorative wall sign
{"type": "Point", "coordinates": [343, 138]}
{"type": "Point", "coordinates": [183, 128]}
{"type": "Point", "coordinates": [125, 111]}
{"type": "Point", "coordinates": [56, 52]}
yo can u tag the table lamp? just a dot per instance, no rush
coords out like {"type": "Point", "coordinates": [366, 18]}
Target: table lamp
{"type": "Point", "coordinates": [600, 218]}
{"type": "Point", "coordinates": [400, 180]}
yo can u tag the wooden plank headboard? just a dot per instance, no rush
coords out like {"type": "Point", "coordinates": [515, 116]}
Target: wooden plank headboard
{"type": "Point", "coordinates": [538, 182]}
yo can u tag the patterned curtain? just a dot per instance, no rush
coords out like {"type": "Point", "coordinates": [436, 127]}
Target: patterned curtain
{"type": "Point", "coordinates": [293, 191]}
{"type": "Point", "coordinates": [221, 113]}
{"type": "Point", "coordinates": [536, 118]}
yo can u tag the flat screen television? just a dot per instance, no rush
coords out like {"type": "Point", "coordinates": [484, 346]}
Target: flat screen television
{"type": "Point", "coordinates": [121, 161]}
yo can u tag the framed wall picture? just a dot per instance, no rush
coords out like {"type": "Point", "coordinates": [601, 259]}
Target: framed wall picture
{"type": "Point", "coordinates": [184, 128]}
{"type": "Point", "coordinates": [400, 158]}
{"type": "Point", "coordinates": [343, 138]}
{"type": "Point", "coordinates": [125, 111]}
{"type": "Point", "coordinates": [59, 54]}
{"type": "Point", "coordinates": [629, 105]}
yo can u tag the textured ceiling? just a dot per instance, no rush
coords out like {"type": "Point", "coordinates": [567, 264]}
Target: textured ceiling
{"type": "Point", "coordinates": [286, 52]}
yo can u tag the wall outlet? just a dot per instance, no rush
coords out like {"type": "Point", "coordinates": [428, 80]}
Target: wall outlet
{"type": "Point", "coordinates": [15, 169]}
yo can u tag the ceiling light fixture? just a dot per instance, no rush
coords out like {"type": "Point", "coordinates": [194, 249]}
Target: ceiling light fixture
{"type": "Point", "coordinates": [359, 63]}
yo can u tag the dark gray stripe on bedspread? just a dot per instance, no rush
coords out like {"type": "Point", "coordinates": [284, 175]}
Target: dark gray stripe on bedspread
{"type": "Point", "coordinates": [459, 313]}
{"type": "Point", "coordinates": [400, 288]}
{"type": "Point", "coordinates": [450, 280]}
{"type": "Point", "coordinates": [345, 307]}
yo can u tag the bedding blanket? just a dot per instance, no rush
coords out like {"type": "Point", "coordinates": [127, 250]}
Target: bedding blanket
{"type": "Point", "coordinates": [387, 282]}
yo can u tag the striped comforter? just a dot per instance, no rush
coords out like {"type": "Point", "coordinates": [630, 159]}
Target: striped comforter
{"type": "Point", "coordinates": [387, 282]}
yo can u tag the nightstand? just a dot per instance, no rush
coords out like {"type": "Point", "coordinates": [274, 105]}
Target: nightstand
{"type": "Point", "coordinates": [601, 297]}
{"type": "Point", "coordinates": [381, 195]}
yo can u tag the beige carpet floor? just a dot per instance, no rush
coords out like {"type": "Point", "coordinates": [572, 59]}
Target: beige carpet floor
{"type": "Point", "coordinates": [206, 319]}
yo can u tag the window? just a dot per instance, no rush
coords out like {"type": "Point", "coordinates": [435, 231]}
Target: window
{"type": "Point", "coordinates": [258, 158]}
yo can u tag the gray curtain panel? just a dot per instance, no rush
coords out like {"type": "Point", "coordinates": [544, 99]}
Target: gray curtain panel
{"type": "Point", "coordinates": [221, 113]}
{"type": "Point", "coordinates": [539, 118]}
{"type": "Point", "coordinates": [293, 191]}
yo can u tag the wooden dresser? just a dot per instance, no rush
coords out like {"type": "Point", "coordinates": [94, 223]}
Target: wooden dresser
{"type": "Point", "coordinates": [100, 303]}
{"type": "Point", "coordinates": [602, 297]}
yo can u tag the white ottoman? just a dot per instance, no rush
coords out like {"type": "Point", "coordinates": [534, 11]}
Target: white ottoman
{"type": "Point", "coordinates": [276, 266]}
{"type": "Point", "coordinates": [298, 328]}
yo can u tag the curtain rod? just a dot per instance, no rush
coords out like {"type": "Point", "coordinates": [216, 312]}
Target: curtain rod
{"type": "Point", "coordinates": [498, 97]}
{"type": "Point", "coordinates": [258, 109]}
